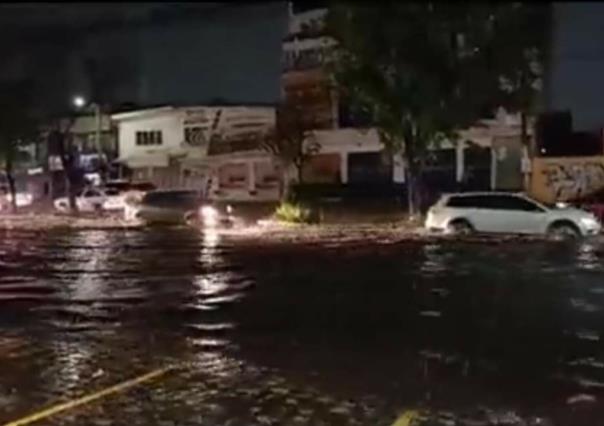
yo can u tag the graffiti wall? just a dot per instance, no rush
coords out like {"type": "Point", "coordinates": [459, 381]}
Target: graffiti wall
{"type": "Point", "coordinates": [566, 178]}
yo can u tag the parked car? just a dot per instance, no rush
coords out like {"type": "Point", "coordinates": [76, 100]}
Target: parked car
{"type": "Point", "coordinates": [23, 199]}
{"type": "Point", "coordinates": [494, 212]}
{"type": "Point", "coordinates": [93, 199]}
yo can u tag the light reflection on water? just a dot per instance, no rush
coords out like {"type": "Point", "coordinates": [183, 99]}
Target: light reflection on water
{"type": "Point", "coordinates": [414, 324]}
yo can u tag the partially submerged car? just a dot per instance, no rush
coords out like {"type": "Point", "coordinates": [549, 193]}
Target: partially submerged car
{"type": "Point", "coordinates": [92, 200]}
{"type": "Point", "coordinates": [501, 212]}
{"type": "Point", "coordinates": [177, 207]}
{"type": "Point", "coordinates": [112, 196]}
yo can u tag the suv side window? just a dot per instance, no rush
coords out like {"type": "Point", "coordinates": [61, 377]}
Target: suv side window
{"type": "Point", "coordinates": [514, 203]}
{"type": "Point", "coordinates": [494, 202]}
{"type": "Point", "coordinates": [468, 201]}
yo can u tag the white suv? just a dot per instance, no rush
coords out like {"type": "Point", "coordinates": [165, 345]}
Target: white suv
{"type": "Point", "coordinates": [507, 213]}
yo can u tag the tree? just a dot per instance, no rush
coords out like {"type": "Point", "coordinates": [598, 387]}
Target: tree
{"type": "Point", "coordinates": [17, 126]}
{"type": "Point", "coordinates": [520, 53]}
{"type": "Point", "coordinates": [59, 142]}
{"type": "Point", "coordinates": [58, 119]}
{"type": "Point", "coordinates": [292, 141]}
{"type": "Point", "coordinates": [421, 70]}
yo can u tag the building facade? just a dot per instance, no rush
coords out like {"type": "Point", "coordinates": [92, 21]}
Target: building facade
{"type": "Point", "coordinates": [213, 149]}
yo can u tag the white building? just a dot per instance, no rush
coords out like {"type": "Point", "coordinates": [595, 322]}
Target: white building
{"type": "Point", "coordinates": [209, 148]}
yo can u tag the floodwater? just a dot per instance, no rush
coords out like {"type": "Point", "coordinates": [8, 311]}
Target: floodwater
{"type": "Point", "coordinates": [293, 333]}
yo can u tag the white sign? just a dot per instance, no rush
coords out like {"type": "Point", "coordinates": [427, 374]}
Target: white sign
{"type": "Point", "coordinates": [54, 163]}
{"type": "Point", "coordinates": [398, 169]}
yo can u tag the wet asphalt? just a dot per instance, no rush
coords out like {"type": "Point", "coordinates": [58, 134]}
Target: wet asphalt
{"type": "Point", "coordinates": [327, 332]}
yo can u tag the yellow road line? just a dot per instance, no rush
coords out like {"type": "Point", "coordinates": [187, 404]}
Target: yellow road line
{"type": "Point", "coordinates": [406, 418]}
{"type": "Point", "coordinates": [120, 387]}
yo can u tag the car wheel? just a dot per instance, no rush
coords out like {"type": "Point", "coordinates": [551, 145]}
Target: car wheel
{"type": "Point", "coordinates": [460, 227]}
{"type": "Point", "coordinates": [564, 231]}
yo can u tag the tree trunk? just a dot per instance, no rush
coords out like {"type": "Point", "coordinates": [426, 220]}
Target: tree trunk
{"type": "Point", "coordinates": [11, 184]}
{"type": "Point", "coordinates": [283, 185]}
{"type": "Point", "coordinates": [524, 130]}
{"type": "Point", "coordinates": [299, 172]}
{"type": "Point", "coordinates": [413, 187]}
{"type": "Point", "coordinates": [410, 195]}
{"type": "Point", "coordinates": [70, 179]}
{"type": "Point", "coordinates": [71, 192]}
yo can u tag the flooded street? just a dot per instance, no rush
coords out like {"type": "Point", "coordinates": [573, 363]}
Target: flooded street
{"type": "Point", "coordinates": [315, 333]}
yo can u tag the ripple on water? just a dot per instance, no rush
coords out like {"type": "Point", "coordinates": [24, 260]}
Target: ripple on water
{"type": "Point", "coordinates": [447, 318]}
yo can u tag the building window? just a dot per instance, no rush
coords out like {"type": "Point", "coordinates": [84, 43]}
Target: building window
{"type": "Point", "coordinates": [149, 137]}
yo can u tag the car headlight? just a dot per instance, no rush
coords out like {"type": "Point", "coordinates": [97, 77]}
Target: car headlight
{"type": "Point", "coordinates": [209, 215]}
{"type": "Point", "coordinates": [590, 222]}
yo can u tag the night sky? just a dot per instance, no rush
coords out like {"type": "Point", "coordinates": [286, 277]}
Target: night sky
{"type": "Point", "coordinates": [578, 63]}
{"type": "Point", "coordinates": [163, 53]}
{"type": "Point", "coordinates": [183, 53]}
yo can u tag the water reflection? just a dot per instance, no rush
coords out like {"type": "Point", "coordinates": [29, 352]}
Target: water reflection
{"type": "Point", "coordinates": [436, 260]}
{"type": "Point", "coordinates": [283, 331]}
{"type": "Point", "coordinates": [210, 285]}
{"type": "Point", "coordinates": [588, 257]}
{"type": "Point", "coordinates": [88, 257]}
{"type": "Point", "coordinates": [72, 359]}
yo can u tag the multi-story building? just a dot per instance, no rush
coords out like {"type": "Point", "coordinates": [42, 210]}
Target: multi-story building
{"type": "Point", "coordinates": [210, 148]}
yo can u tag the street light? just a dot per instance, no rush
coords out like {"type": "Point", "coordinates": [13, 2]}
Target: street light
{"type": "Point", "coordinates": [80, 102]}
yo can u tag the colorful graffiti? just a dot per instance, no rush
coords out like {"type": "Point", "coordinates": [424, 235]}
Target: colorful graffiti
{"type": "Point", "coordinates": [561, 179]}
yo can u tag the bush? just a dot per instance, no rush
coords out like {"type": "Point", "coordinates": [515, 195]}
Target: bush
{"type": "Point", "coordinates": [293, 213]}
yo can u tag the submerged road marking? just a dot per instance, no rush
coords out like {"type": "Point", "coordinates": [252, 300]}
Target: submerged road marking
{"type": "Point", "coordinates": [74, 403]}
{"type": "Point", "coordinates": [406, 418]}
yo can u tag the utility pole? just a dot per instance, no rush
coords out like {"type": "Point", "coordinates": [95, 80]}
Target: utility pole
{"type": "Point", "coordinates": [97, 137]}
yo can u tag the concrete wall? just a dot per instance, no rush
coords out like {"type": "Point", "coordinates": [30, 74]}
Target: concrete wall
{"type": "Point", "coordinates": [346, 141]}
{"type": "Point", "coordinates": [252, 179]}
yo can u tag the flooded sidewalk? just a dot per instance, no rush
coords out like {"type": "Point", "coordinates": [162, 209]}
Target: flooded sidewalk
{"type": "Point", "coordinates": [280, 327]}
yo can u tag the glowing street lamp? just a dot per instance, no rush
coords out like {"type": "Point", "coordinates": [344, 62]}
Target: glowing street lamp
{"type": "Point", "coordinates": [79, 101]}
